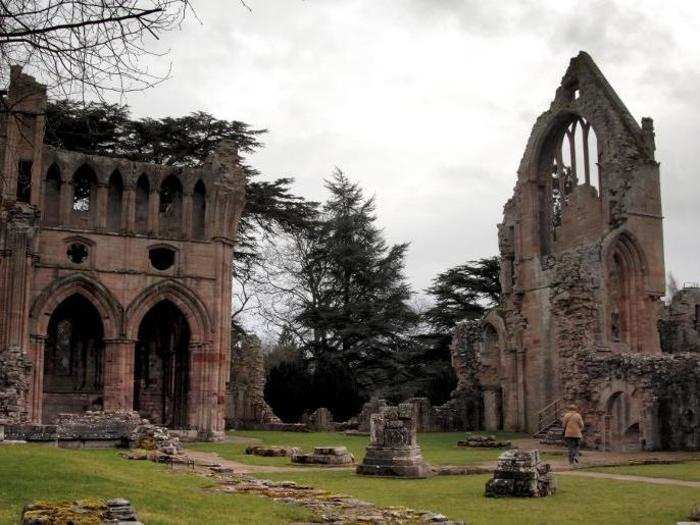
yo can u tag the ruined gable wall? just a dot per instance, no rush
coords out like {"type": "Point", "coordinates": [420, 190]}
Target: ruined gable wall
{"type": "Point", "coordinates": [554, 286]}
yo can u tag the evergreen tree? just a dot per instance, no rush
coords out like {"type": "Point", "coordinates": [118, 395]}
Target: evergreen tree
{"type": "Point", "coordinates": [464, 292]}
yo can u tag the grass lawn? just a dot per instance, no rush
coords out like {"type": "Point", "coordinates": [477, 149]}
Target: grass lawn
{"type": "Point", "coordinates": [579, 500]}
{"type": "Point", "coordinates": [42, 472]}
{"type": "Point", "coordinates": [689, 471]}
{"type": "Point", "coordinates": [439, 448]}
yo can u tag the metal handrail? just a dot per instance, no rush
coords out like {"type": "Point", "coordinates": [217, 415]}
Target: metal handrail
{"type": "Point", "coordinates": [548, 415]}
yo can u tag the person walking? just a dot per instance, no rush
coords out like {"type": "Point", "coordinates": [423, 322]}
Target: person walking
{"type": "Point", "coordinates": [573, 427]}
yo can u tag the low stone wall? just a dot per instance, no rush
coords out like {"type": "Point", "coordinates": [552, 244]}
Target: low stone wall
{"type": "Point", "coordinates": [663, 391]}
{"type": "Point", "coordinates": [97, 430]}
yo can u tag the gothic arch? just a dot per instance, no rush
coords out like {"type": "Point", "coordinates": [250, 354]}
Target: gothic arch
{"type": "Point", "coordinates": [185, 299]}
{"type": "Point", "coordinates": [53, 295]}
{"type": "Point", "coordinates": [625, 274]}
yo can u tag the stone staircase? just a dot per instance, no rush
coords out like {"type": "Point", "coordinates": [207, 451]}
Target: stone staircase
{"type": "Point", "coordinates": [554, 435]}
{"type": "Point", "coordinates": [549, 427]}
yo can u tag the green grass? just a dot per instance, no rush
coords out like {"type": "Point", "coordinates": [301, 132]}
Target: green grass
{"type": "Point", "coordinates": [439, 448]}
{"type": "Point", "coordinates": [43, 472]}
{"type": "Point", "coordinates": [579, 500]}
{"type": "Point", "coordinates": [689, 471]}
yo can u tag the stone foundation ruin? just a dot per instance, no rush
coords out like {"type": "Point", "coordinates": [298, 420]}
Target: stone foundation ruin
{"type": "Point", "coordinates": [521, 474]}
{"type": "Point", "coordinates": [393, 450]}
{"type": "Point", "coordinates": [326, 456]}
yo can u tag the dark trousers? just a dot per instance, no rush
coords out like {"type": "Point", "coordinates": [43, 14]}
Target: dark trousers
{"type": "Point", "coordinates": [573, 445]}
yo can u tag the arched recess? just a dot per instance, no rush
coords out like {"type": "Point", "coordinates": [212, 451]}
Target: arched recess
{"type": "Point", "coordinates": [115, 192]}
{"type": "Point", "coordinates": [199, 209]}
{"type": "Point", "coordinates": [73, 360]}
{"type": "Point", "coordinates": [625, 275]}
{"type": "Point", "coordinates": [568, 157]}
{"type": "Point", "coordinates": [622, 419]}
{"type": "Point", "coordinates": [162, 366]}
{"type": "Point", "coordinates": [182, 297]}
{"type": "Point", "coordinates": [84, 197]}
{"type": "Point", "coordinates": [52, 196]}
{"type": "Point", "coordinates": [143, 189]}
{"type": "Point", "coordinates": [111, 312]}
{"type": "Point", "coordinates": [170, 213]}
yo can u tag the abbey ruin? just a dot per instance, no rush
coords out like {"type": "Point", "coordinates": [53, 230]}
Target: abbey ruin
{"type": "Point", "coordinates": [115, 287]}
{"type": "Point", "coordinates": [582, 276]}
{"type": "Point", "coordinates": [115, 278]}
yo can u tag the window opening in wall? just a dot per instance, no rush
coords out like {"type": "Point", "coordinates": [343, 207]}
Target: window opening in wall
{"type": "Point", "coordinates": [170, 219]}
{"type": "Point", "coordinates": [77, 253]}
{"type": "Point", "coordinates": [141, 216]}
{"type": "Point", "coordinates": [82, 192]}
{"type": "Point", "coordinates": [24, 181]}
{"type": "Point", "coordinates": [697, 317]}
{"type": "Point", "coordinates": [52, 196]}
{"type": "Point", "coordinates": [162, 258]}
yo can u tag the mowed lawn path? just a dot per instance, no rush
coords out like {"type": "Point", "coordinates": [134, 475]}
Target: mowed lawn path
{"type": "Point", "coordinates": [160, 496]}
{"type": "Point", "coordinates": [688, 471]}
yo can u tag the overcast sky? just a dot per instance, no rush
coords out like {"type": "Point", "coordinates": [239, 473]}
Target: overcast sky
{"type": "Point", "coordinates": [429, 103]}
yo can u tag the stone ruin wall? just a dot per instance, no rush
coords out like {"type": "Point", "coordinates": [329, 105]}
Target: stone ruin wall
{"type": "Point", "coordinates": [246, 405]}
{"type": "Point", "coordinates": [554, 337]}
{"type": "Point", "coordinates": [680, 326]}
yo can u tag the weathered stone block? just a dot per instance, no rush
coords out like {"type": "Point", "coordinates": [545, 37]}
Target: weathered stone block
{"type": "Point", "coordinates": [521, 474]}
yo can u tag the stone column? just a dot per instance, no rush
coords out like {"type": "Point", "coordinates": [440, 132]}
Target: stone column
{"type": "Point", "coordinates": [129, 210]}
{"type": "Point", "coordinates": [65, 210]}
{"type": "Point", "coordinates": [187, 215]}
{"type": "Point", "coordinates": [36, 354]}
{"type": "Point", "coordinates": [119, 374]}
{"type": "Point", "coordinates": [520, 369]}
{"type": "Point", "coordinates": [153, 210]}
{"type": "Point", "coordinates": [99, 214]}
{"type": "Point", "coordinates": [492, 411]}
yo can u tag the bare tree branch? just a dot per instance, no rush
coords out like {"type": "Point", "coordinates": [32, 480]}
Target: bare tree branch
{"type": "Point", "coordinates": [88, 47]}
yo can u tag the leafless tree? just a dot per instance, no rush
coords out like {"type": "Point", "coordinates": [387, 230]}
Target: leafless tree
{"type": "Point", "coordinates": [88, 47]}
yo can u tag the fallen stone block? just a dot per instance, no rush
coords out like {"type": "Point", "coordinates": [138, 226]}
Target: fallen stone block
{"type": "Point", "coordinates": [521, 474]}
{"type": "Point", "coordinates": [269, 451]}
{"type": "Point", "coordinates": [326, 456]}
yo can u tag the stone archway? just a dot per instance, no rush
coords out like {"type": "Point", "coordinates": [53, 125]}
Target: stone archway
{"type": "Point", "coordinates": [162, 366]}
{"type": "Point", "coordinates": [622, 415]}
{"type": "Point", "coordinates": [73, 364]}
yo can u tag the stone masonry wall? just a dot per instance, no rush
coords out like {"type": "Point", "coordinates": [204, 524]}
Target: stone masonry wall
{"type": "Point", "coordinates": [246, 394]}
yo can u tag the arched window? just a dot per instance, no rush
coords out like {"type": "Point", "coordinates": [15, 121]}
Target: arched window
{"type": "Point", "coordinates": [84, 183]}
{"type": "Point", "coordinates": [141, 215]}
{"type": "Point", "coordinates": [199, 203]}
{"type": "Point", "coordinates": [170, 213]}
{"type": "Point", "coordinates": [569, 159]}
{"type": "Point", "coordinates": [52, 196]}
{"type": "Point", "coordinates": [626, 298]}
{"type": "Point", "coordinates": [24, 180]}
{"type": "Point", "coordinates": [114, 202]}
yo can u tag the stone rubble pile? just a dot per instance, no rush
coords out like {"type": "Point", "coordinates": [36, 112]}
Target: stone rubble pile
{"type": "Point", "coordinates": [319, 420]}
{"type": "Point", "coordinates": [521, 474]}
{"type": "Point", "coordinates": [326, 456]}
{"type": "Point", "coordinates": [329, 507]}
{"type": "Point", "coordinates": [479, 441]}
{"type": "Point", "coordinates": [271, 451]}
{"type": "Point", "coordinates": [80, 512]}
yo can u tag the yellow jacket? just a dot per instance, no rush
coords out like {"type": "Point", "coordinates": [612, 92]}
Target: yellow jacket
{"type": "Point", "coordinates": [573, 425]}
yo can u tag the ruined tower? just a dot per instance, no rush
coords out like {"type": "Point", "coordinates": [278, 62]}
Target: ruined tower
{"type": "Point", "coordinates": [115, 278]}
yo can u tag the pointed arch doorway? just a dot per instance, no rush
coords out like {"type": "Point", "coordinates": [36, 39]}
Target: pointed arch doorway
{"type": "Point", "coordinates": [162, 366]}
